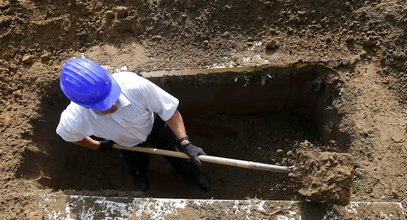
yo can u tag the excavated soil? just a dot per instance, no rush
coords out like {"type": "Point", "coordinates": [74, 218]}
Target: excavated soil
{"type": "Point", "coordinates": [323, 176]}
{"type": "Point", "coordinates": [363, 41]}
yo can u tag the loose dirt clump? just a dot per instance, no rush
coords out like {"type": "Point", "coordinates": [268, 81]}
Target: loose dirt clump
{"type": "Point", "coordinates": [323, 176]}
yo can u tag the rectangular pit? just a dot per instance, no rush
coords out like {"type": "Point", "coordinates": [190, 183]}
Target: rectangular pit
{"type": "Point", "coordinates": [255, 113]}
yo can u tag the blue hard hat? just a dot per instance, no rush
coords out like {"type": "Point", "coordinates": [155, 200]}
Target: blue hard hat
{"type": "Point", "coordinates": [88, 84]}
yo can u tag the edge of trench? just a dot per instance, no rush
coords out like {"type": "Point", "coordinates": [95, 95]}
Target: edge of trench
{"type": "Point", "coordinates": [99, 207]}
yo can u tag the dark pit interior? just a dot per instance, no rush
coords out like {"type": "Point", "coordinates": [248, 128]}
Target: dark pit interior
{"type": "Point", "coordinates": [255, 114]}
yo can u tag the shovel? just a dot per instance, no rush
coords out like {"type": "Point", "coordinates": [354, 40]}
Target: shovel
{"type": "Point", "coordinates": [212, 159]}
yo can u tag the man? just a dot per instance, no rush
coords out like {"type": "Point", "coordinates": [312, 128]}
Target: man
{"type": "Point", "coordinates": [128, 110]}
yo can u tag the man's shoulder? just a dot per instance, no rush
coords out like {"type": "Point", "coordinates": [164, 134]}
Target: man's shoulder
{"type": "Point", "coordinates": [73, 107]}
{"type": "Point", "coordinates": [73, 123]}
{"type": "Point", "coordinates": [130, 80]}
{"type": "Point", "coordinates": [125, 76]}
{"type": "Point", "coordinates": [73, 112]}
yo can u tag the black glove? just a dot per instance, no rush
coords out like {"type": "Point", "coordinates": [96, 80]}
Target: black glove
{"type": "Point", "coordinates": [193, 152]}
{"type": "Point", "coordinates": [105, 145]}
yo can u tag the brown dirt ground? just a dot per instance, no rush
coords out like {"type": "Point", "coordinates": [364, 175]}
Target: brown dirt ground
{"type": "Point", "coordinates": [365, 41]}
{"type": "Point", "coordinates": [323, 176]}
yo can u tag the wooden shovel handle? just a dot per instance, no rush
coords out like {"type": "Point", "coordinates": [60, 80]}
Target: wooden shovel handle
{"type": "Point", "coordinates": [211, 159]}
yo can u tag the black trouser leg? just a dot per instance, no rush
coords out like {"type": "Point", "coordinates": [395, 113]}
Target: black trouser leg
{"type": "Point", "coordinates": [186, 168]}
{"type": "Point", "coordinates": [136, 162]}
{"type": "Point", "coordinates": [162, 137]}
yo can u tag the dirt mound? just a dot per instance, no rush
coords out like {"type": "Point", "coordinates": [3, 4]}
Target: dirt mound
{"type": "Point", "coordinates": [323, 176]}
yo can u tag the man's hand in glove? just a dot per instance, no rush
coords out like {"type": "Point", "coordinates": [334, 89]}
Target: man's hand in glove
{"type": "Point", "coordinates": [193, 152]}
{"type": "Point", "coordinates": [105, 145]}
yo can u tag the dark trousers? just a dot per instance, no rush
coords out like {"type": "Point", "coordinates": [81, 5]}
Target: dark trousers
{"type": "Point", "coordinates": [161, 137]}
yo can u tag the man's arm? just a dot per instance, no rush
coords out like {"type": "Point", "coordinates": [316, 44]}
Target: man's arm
{"type": "Point", "coordinates": [176, 123]}
{"type": "Point", "coordinates": [89, 143]}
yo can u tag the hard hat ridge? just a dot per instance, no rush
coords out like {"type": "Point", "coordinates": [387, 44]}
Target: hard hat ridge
{"type": "Point", "coordinates": [88, 84]}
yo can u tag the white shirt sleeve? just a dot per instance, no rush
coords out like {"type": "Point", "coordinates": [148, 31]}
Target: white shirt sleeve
{"type": "Point", "coordinates": [157, 100]}
{"type": "Point", "coordinates": [69, 128]}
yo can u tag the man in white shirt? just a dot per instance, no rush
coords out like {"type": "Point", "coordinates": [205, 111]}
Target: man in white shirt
{"type": "Point", "coordinates": [128, 110]}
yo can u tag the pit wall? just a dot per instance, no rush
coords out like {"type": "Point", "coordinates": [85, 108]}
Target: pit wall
{"type": "Point", "coordinates": [309, 89]}
{"type": "Point", "coordinates": [240, 94]}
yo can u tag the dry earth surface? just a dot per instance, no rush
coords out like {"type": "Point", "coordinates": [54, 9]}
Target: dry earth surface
{"type": "Point", "coordinates": [364, 41]}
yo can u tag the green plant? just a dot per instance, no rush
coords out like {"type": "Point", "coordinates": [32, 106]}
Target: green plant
{"type": "Point", "coordinates": [354, 190]}
{"type": "Point", "coordinates": [265, 77]}
{"type": "Point", "coordinates": [256, 72]}
{"type": "Point", "coordinates": [244, 76]}
{"type": "Point", "coordinates": [254, 198]}
{"type": "Point", "coordinates": [294, 197]}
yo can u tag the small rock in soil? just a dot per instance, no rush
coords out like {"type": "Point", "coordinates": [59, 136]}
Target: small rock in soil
{"type": "Point", "coordinates": [289, 153]}
{"type": "Point", "coordinates": [28, 59]}
{"type": "Point", "coordinates": [156, 37]}
{"type": "Point", "coordinates": [363, 54]}
{"type": "Point", "coordinates": [72, 3]}
{"type": "Point", "coordinates": [45, 56]}
{"type": "Point", "coordinates": [109, 15]}
{"type": "Point", "coordinates": [122, 11]}
{"type": "Point", "coordinates": [206, 43]}
{"type": "Point", "coordinates": [226, 34]}
{"type": "Point", "coordinates": [370, 42]}
{"type": "Point", "coordinates": [272, 45]}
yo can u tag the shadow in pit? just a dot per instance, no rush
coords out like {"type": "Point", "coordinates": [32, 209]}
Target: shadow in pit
{"type": "Point", "coordinates": [53, 163]}
{"type": "Point", "coordinates": [304, 88]}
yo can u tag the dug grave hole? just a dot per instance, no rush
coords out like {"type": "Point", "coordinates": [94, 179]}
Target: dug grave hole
{"type": "Point", "coordinates": [267, 114]}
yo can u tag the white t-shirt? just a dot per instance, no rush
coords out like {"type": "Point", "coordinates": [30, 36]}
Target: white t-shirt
{"type": "Point", "coordinates": [133, 120]}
